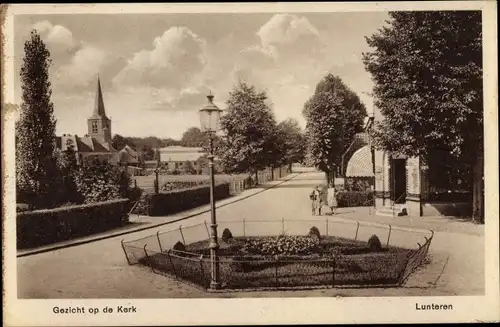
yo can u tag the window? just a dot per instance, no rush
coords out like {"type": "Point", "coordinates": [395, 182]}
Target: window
{"type": "Point", "coordinates": [94, 127]}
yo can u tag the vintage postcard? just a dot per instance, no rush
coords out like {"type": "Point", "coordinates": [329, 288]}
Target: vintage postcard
{"type": "Point", "coordinates": [250, 163]}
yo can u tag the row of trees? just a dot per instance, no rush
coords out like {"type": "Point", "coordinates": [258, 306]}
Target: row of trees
{"type": "Point", "coordinates": [45, 176]}
{"type": "Point", "coordinates": [252, 139]}
{"type": "Point", "coordinates": [427, 71]}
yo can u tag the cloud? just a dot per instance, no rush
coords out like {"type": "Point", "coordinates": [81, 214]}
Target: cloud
{"type": "Point", "coordinates": [75, 64]}
{"type": "Point", "coordinates": [188, 99]}
{"type": "Point", "coordinates": [290, 35]}
{"type": "Point", "coordinates": [177, 56]}
{"type": "Point", "coordinates": [81, 72]}
{"type": "Point", "coordinates": [290, 49]}
{"type": "Point", "coordinates": [259, 57]}
{"type": "Point", "coordinates": [59, 40]}
{"type": "Point", "coordinates": [286, 29]}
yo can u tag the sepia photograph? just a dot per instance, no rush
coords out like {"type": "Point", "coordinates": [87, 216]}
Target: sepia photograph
{"type": "Point", "coordinates": [271, 157]}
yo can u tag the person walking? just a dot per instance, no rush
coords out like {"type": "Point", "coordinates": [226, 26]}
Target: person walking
{"type": "Point", "coordinates": [332, 199]}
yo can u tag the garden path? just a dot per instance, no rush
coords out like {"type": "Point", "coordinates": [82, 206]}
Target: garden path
{"type": "Point", "coordinates": [99, 269]}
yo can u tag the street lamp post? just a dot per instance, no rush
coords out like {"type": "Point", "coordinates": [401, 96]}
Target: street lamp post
{"type": "Point", "coordinates": [209, 119]}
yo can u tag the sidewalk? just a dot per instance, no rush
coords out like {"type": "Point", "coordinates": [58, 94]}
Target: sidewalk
{"type": "Point", "coordinates": [100, 270]}
{"type": "Point", "coordinates": [139, 222]}
{"type": "Point", "coordinates": [434, 223]}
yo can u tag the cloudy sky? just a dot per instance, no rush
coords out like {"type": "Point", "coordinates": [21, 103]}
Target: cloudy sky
{"type": "Point", "coordinates": [156, 70]}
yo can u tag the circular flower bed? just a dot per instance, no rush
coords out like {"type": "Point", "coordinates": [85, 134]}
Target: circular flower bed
{"type": "Point", "coordinates": [280, 245]}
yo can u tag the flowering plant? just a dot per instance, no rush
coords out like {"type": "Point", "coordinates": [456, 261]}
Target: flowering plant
{"type": "Point", "coordinates": [280, 245]}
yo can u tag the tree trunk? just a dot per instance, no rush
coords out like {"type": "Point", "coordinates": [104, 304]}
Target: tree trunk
{"type": "Point", "coordinates": [330, 176]}
{"type": "Point", "coordinates": [256, 177]}
{"type": "Point", "coordinates": [478, 190]}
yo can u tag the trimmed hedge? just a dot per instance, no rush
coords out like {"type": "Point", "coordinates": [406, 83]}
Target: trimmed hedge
{"type": "Point", "coordinates": [175, 201]}
{"type": "Point", "coordinates": [42, 227]}
{"type": "Point", "coordinates": [354, 199]}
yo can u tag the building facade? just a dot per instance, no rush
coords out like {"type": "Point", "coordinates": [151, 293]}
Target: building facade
{"type": "Point", "coordinates": [182, 160]}
{"type": "Point", "coordinates": [417, 186]}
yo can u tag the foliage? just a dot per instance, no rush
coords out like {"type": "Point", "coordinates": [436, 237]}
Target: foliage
{"type": "Point", "coordinates": [374, 243]}
{"type": "Point", "coordinates": [202, 163]}
{"type": "Point", "coordinates": [314, 232]}
{"type": "Point", "coordinates": [178, 200]}
{"type": "Point", "coordinates": [41, 227]}
{"type": "Point", "coordinates": [68, 167]}
{"type": "Point", "coordinates": [135, 194]}
{"type": "Point", "coordinates": [193, 137]}
{"type": "Point", "coordinates": [179, 185]}
{"type": "Point", "coordinates": [240, 271]}
{"type": "Point", "coordinates": [280, 245]}
{"type": "Point", "coordinates": [119, 142]}
{"type": "Point", "coordinates": [334, 115]}
{"type": "Point", "coordinates": [293, 141]}
{"type": "Point", "coordinates": [427, 69]}
{"type": "Point", "coordinates": [37, 173]}
{"type": "Point", "coordinates": [99, 181]}
{"type": "Point", "coordinates": [179, 246]}
{"type": "Point", "coordinates": [358, 184]}
{"type": "Point", "coordinates": [445, 174]}
{"type": "Point", "coordinates": [354, 198]}
{"type": "Point", "coordinates": [157, 157]}
{"type": "Point", "coordinates": [226, 235]}
{"type": "Point", "coordinates": [187, 168]}
{"type": "Point", "coordinates": [249, 129]}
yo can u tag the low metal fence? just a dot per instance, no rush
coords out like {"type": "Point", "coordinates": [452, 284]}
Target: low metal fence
{"type": "Point", "coordinates": [237, 272]}
{"type": "Point", "coordinates": [416, 259]}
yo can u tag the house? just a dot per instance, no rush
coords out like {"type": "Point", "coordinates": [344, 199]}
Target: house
{"type": "Point", "coordinates": [415, 186]}
{"type": "Point", "coordinates": [182, 159]}
{"type": "Point", "coordinates": [126, 156]}
{"type": "Point", "coordinates": [175, 156]}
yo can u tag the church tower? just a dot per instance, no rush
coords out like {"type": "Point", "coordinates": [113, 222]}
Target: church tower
{"type": "Point", "coordinates": [99, 125]}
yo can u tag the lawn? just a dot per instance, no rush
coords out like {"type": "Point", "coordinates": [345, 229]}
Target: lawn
{"type": "Point", "coordinates": [182, 181]}
{"type": "Point", "coordinates": [332, 261]}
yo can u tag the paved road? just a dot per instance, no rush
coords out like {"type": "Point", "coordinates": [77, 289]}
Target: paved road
{"type": "Point", "coordinates": [99, 269]}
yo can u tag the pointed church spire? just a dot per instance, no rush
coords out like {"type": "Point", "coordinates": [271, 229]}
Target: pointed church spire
{"type": "Point", "coordinates": [99, 102]}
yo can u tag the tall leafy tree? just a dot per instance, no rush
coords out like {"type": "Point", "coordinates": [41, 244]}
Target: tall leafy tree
{"type": "Point", "coordinates": [119, 142]}
{"type": "Point", "coordinates": [36, 163]}
{"type": "Point", "coordinates": [69, 169]}
{"type": "Point", "coordinates": [293, 141]}
{"type": "Point", "coordinates": [193, 137]}
{"type": "Point", "coordinates": [334, 115]}
{"type": "Point", "coordinates": [427, 69]}
{"type": "Point", "coordinates": [249, 129]}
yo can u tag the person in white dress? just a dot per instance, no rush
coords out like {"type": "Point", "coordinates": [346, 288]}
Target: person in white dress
{"type": "Point", "coordinates": [332, 199]}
